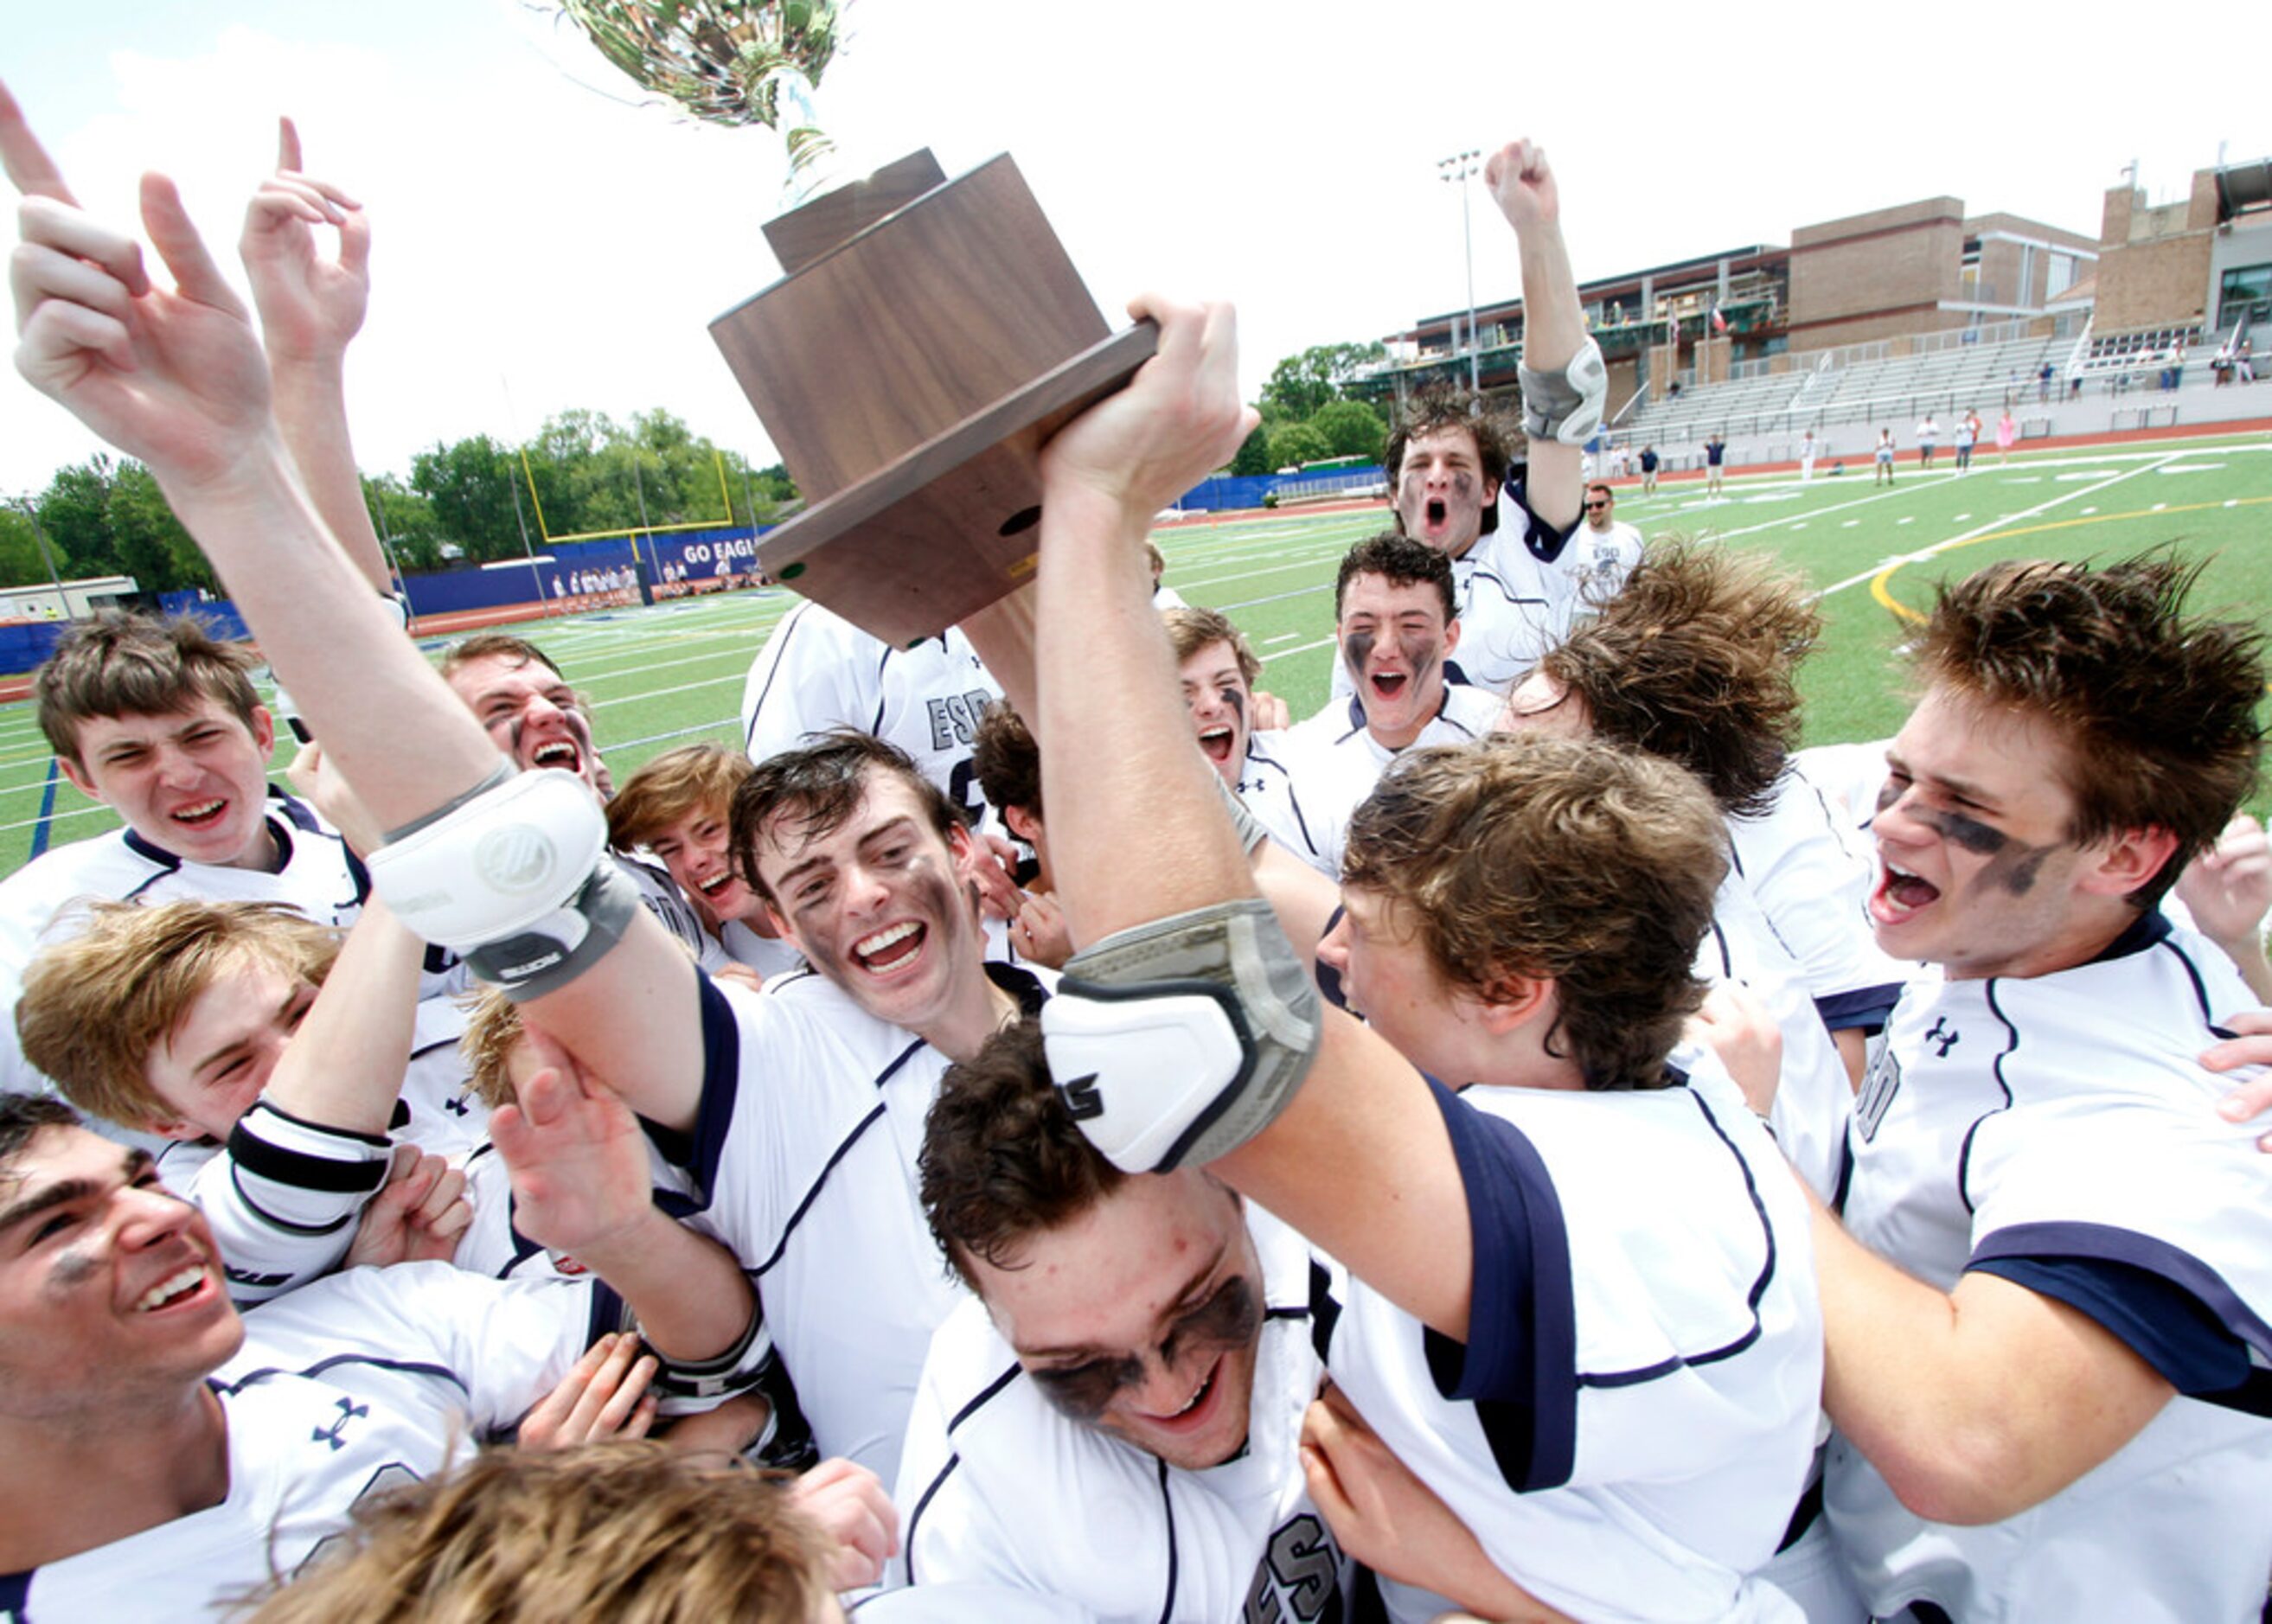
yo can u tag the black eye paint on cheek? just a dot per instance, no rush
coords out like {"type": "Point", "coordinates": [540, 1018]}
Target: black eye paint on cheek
{"type": "Point", "coordinates": [1083, 1391]}
{"type": "Point", "coordinates": [1357, 652]}
{"type": "Point", "coordinates": [74, 1266]}
{"type": "Point", "coordinates": [2016, 869]}
{"type": "Point", "coordinates": [1237, 701]}
{"type": "Point", "coordinates": [1888, 792]}
{"type": "Point", "coordinates": [1974, 836]}
{"type": "Point", "coordinates": [1421, 654]}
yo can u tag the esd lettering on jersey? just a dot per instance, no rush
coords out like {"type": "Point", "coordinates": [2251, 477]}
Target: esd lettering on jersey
{"type": "Point", "coordinates": [1879, 1085]}
{"type": "Point", "coordinates": [954, 718]}
{"type": "Point", "coordinates": [1298, 1579]}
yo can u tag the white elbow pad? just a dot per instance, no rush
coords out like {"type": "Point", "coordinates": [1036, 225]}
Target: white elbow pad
{"type": "Point", "coordinates": [1177, 1042]}
{"type": "Point", "coordinates": [514, 876]}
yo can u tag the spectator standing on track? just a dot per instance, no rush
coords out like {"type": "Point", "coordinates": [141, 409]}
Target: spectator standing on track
{"type": "Point", "coordinates": [2006, 432]}
{"type": "Point", "coordinates": [1968, 436]}
{"type": "Point", "coordinates": [2043, 383]}
{"type": "Point", "coordinates": [1715, 451]}
{"type": "Point", "coordinates": [1648, 462]}
{"type": "Point", "coordinates": [1808, 447]}
{"type": "Point", "coordinates": [1884, 455]}
{"type": "Point", "coordinates": [1928, 437]}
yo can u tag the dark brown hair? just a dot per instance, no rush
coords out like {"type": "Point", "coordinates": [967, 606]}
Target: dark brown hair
{"type": "Point", "coordinates": [2157, 710]}
{"type": "Point", "coordinates": [1434, 411]}
{"type": "Point", "coordinates": [820, 786]}
{"type": "Point", "coordinates": [1572, 859]}
{"type": "Point", "coordinates": [1002, 1158]}
{"type": "Point", "coordinates": [1696, 660]}
{"type": "Point", "coordinates": [1402, 562]}
{"type": "Point", "coordinates": [1007, 761]}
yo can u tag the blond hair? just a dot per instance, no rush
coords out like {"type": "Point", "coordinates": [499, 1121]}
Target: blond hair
{"type": "Point", "coordinates": [673, 783]}
{"type": "Point", "coordinates": [624, 1532]}
{"type": "Point", "coordinates": [94, 1008]}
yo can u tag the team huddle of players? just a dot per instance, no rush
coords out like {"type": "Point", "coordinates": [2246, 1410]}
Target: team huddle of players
{"type": "Point", "coordinates": [1497, 1146]}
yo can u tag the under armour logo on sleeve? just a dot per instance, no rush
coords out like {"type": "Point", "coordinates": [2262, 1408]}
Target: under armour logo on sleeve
{"type": "Point", "coordinates": [1942, 1038]}
{"type": "Point", "coordinates": [349, 1411]}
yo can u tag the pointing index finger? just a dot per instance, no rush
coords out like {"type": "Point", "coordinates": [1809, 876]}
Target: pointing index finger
{"type": "Point", "coordinates": [31, 169]}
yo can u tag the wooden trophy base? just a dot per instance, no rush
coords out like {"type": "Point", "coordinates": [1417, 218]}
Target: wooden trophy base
{"type": "Point", "coordinates": [928, 338]}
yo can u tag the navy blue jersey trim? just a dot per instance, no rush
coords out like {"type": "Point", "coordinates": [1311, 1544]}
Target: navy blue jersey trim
{"type": "Point", "coordinates": [1727, 960]}
{"type": "Point", "coordinates": [903, 1057]}
{"type": "Point", "coordinates": [1863, 1008]}
{"type": "Point", "coordinates": [284, 1225]}
{"type": "Point", "coordinates": [1505, 591]}
{"type": "Point", "coordinates": [416, 1368]}
{"type": "Point", "coordinates": [16, 1596]}
{"type": "Point", "coordinates": [721, 1085]}
{"type": "Point", "coordinates": [1634, 1378]}
{"type": "Point", "coordinates": [2161, 1323]}
{"type": "Point", "coordinates": [2192, 974]}
{"type": "Point", "coordinates": [2070, 1241]}
{"type": "Point", "coordinates": [1022, 984]}
{"type": "Point", "coordinates": [148, 853]}
{"type": "Point", "coordinates": [985, 1395]}
{"type": "Point", "coordinates": [608, 1313]}
{"type": "Point", "coordinates": [1996, 1068]}
{"type": "Point", "coordinates": [1324, 1309]}
{"type": "Point", "coordinates": [1167, 1511]}
{"type": "Point", "coordinates": [2141, 933]}
{"type": "Point", "coordinates": [1518, 1365]}
{"type": "Point", "coordinates": [781, 634]}
{"type": "Point", "coordinates": [923, 1504]}
{"type": "Point", "coordinates": [818, 1183]}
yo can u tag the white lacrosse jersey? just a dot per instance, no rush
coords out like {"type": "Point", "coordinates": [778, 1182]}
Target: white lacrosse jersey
{"type": "Point", "coordinates": [1815, 1097]}
{"type": "Point", "coordinates": [1632, 1416]}
{"type": "Point", "coordinates": [2055, 1130]}
{"type": "Point", "coordinates": [1267, 788]}
{"type": "Point", "coordinates": [819, 671]}
{"type": "Point", "coordinates": [1335, 760]}
{"type": "Point", "coordinates": [1516, 592]}
{"type": "Point", "coordinates": [349, 1386]}
{"type": "Point", "coordinates": [803, 1159]}
{"type": "Point", "coordinates": [43, 901]}
{"type": "Point", "coordinates": [1813, 881]}
{"type": "Point", "coordinates": [997, 1486]}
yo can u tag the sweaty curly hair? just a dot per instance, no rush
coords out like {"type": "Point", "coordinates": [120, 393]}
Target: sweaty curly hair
{"type": "Point", "coordinates": [1432, 411]}
{"type": "Point", "coordinates": [1573, 859]}
{"type": "Point", "coordinates": [1696, 660]}
{"type": "Point", "coordinates": [2157, 710]}
{"type": "Point", "coordinates": [1002, 1158]}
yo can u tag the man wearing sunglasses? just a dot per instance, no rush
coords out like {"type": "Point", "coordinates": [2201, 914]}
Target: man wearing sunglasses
{"type": "Point", "coordinates": [1606, 548]}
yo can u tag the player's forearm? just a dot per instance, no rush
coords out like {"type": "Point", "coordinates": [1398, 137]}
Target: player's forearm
{"type": "Point", "coordinates": [344, 1066]}
{"type": "Point", "coordinates": [1137, 829]}
{"type": "Point", "coordinates": [1553, 321]}
{"type": "Point", "coordinates": [401, 738]}
{"type": "Point", "coordinates": [310, 395]}
{"type": "Point", "coordinates": [692, 1300]}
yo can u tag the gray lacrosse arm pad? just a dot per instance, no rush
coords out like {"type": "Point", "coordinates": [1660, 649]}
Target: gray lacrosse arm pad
{"type": "Point", "coordinates": [1565, 405]}
{"type": "Point", "coordinates": [1176, 1042]}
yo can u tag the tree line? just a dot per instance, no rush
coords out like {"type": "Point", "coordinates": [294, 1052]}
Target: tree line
{"type": "Point", "coordinates": [469, 501]}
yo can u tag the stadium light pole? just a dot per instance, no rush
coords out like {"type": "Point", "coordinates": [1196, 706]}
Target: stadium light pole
{"type": "Point", "coordinates": [1455, 170]}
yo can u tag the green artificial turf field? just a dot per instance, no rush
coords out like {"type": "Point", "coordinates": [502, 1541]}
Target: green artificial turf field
{"type": "Point", "coordinates": [673, 673]}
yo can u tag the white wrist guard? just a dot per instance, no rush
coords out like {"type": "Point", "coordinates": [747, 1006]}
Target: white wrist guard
{"type": "Point", "coordinates": [514, 876]}
{"type": "Point", "coordinates": [1177, 1041]}
{"type": "Point", "coordinates": [1565, 405]}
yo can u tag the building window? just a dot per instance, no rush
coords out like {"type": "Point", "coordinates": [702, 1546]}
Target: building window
{"type": "Point", "coordinates": [2245, 296]}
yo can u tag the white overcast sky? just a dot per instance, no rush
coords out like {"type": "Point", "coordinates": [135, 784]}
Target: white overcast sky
{"type": "Point", "coordinates": [546, 239]}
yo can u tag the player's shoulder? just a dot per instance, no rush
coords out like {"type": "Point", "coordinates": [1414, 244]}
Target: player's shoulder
{"type": "Point", "coordinates": [106, 865]}
{"type": "Point", "coordinates": [1469, 710]}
